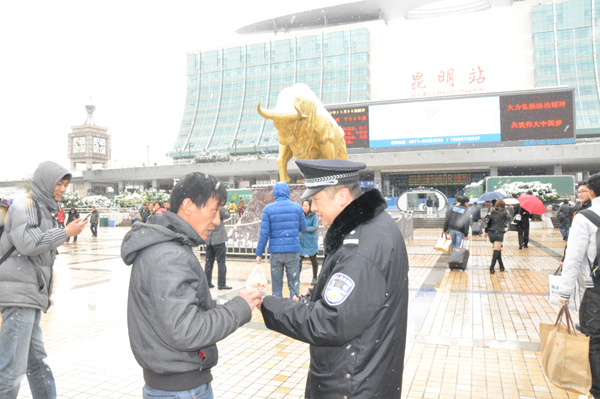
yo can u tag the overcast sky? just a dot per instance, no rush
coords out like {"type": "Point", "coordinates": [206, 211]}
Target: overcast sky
{"type": "Point", "coordinates": [129, 54]}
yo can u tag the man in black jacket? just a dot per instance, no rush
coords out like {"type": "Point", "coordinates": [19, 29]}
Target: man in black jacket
{"type": "Point", "coordinates": [565, 217]}
{"type": "Point", "coordinates": [174, 324]}
{"type": "Point", "coordinates": [457, 222]}
{"type": "Point", "coordinates": [355, 317]}
{"type": "Point", "coordinates": [522, 226]}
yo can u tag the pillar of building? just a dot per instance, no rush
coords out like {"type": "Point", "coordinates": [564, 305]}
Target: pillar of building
{"type": "Point", "coordinates": [558, 169]}
{"type": "Point", "coordinates": [155, 184]}
{"type": "Point", "coordinates": [493, 171]}
{"type": "Point", "coordinates": [231, 181]}
{"type": "Point", "coordinates": [88, 188]}
{"type": "Point", "coordinates": [585, 175]}
{"type": "Point", "coordinates": [377, 179]}
{"type": "Point", "coordinates": [274, 177]}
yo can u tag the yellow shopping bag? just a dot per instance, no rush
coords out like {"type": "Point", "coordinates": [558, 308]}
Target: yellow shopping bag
{"type": "Point", "coordinates": [565, 355]}
{"type": "Point", "coordinates": [444, 244]}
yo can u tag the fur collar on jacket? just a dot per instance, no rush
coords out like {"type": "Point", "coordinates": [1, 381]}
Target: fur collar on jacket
{"type": "Point", "coordinates": [362, 209]}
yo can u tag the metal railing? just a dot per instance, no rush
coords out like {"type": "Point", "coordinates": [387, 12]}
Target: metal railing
{"type": "Point", "coordinates": [405, 224]}
{"type": "Point", "coordinates": [242, 239]}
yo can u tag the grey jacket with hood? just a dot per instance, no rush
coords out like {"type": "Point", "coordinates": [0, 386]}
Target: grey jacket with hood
{"type": "Point", "coordinates": [174, 324]}
{"type": "Point", "coordinates": [26, 276]}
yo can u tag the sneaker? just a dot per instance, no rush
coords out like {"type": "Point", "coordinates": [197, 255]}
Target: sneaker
{"type": "Point", "coordinates": [211, 286]}
{"type": "Point", "coordinates": [224, 287]}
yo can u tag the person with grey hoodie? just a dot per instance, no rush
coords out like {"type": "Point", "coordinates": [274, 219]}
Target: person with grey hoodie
{"type": "Point", "coordinates": [174, 324]}
{"type": "Point", "coordinates": [31, 236]}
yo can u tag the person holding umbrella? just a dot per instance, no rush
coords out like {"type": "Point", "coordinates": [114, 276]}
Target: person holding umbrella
{"type": "Point", "coordinates": [522, 218]}
{"type": "Point", "coordinates": [528, 205]}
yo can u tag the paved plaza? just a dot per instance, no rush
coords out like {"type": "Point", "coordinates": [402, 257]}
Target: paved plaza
{"type": "Point", "coordinates": [470, 335]}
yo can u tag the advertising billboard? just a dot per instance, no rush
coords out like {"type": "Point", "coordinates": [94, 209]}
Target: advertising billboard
{"type": "Point", "coordinates": [528, 118]}
{"type": "Point", "coordinates": [355, 123]}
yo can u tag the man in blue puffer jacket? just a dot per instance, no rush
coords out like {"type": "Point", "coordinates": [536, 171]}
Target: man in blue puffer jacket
{"type": "Point", "coordinates": [281, 225]}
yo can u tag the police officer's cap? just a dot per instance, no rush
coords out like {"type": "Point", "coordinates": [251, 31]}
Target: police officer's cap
{"type": "Point", "coordinates": [323, 173]}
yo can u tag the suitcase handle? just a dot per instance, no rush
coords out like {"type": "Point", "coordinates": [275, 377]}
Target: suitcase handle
{"type": "Point", "coordinates": [462, 242]}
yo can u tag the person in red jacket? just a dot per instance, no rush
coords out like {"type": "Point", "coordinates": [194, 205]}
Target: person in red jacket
{"type": "Point", "coordinates": [60, 218]}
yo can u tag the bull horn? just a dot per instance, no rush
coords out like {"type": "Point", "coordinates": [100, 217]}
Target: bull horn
{"type": "Point", "coordinates": [275, 115]}
{"type": "Point", "coordinates": [299, 114]}
{"type": "Point", "coordinates": [265, 114]}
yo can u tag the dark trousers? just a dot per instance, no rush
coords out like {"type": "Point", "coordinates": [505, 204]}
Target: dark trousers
{"type": "Point", "coordinates": [61, 225]}
{"type": "Point", "coordinates": [219, 250]}
{"type": "Point", "coordinates": [564, 228]}
{"type": "Point", "coordinates": [94, 229]}
{"type": "Point", "coordinates": [523, 232]}
{"type": "Point", "coordinates": [315, 264]}
{"type": "Point", "coordinates": [74, 239]}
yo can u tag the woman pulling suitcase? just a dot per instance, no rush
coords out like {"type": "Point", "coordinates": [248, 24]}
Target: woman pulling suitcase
{"type": "Point", "coordinates": [495, 229]}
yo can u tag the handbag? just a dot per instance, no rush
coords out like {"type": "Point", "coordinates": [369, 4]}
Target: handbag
{"type": "Point", "coordinates": [565, 355]}
{"type": "Point", "coordinates": [485, 222]}
{"type": "Point", "coordinates": [443, 243]}
{"type": "Point", "coordinates": [517, 218]}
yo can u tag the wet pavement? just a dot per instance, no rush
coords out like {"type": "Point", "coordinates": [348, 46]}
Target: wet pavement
{"type": "Point", "coordinates": [470, 334]}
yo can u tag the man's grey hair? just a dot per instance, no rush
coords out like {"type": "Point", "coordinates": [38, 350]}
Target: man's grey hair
{"type": "Point", "coordinates": [354, 189]}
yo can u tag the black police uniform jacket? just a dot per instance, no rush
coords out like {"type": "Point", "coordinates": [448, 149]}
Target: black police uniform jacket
{"type": "Point", "coordinates": [355, 321]}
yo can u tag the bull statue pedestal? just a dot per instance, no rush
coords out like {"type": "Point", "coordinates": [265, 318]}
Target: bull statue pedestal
{"type": "Point", "coordinates": [305, 129]}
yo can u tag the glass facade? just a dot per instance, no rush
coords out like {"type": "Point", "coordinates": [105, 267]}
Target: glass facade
{"type": "Point", "coordinates": [225, 86]}
{"type": "Point", "coordinates": [565, 39]}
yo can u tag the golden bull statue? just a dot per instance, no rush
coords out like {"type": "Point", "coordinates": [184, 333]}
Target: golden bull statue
{"type": "Point", "coordinates": [308, 133]}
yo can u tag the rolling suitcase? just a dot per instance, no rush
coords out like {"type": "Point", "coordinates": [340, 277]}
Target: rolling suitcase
{"type": "Point", "coordinates": [459, 257]}
{"type": "Point", "coordinates": [476, 229]}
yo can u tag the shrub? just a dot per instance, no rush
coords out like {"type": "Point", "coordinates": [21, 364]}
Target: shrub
{"type": "Point", "coordinates": [543, 191]}
{"type": "Point", "coordinates": [72, 200]}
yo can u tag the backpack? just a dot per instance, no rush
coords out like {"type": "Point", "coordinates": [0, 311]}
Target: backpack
{"type": "Point", "coordinates": [3, 212]}
{"type": "Point", "coordinates": [566, 212]}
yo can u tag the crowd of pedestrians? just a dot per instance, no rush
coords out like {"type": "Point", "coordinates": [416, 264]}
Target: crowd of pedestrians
{"type": "Point", "coordinates": [173, 322]}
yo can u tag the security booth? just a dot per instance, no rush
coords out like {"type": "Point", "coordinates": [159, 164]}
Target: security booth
{"type": "Point", "coordinates": [415, 199]}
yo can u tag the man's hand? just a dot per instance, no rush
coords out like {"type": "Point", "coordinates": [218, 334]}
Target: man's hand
{"type": "Point", "coordinates": [252, 297]}
{"type": "Point", "coordinates": [485, 235]}
{"type": "Point", "coordinates": [305, 293]}
{"type": "Point", "coordinates": [564, 302]}
{"type": "Point", "coordinates": [75, 227]}
{"type": "Point", "coordinates": [258, 260]}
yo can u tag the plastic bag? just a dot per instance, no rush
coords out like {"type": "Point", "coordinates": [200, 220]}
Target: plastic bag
{"type": "Point", "coordinates": [554, 291]}
{"type": "Point", "coordinates": [257, 280]}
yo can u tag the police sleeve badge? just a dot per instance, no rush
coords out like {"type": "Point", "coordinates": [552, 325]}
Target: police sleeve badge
{"type": "Point", "coordinates": [338, 289]}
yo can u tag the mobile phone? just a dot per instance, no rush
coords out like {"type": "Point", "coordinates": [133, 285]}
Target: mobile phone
{"type": "Point", "coordinates": [87, 217]}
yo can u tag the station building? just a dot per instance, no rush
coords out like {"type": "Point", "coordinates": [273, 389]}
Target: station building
{"type": "Point", "coordinates": [384, 57]}
{"type": "Point", "coordinates": [360, 54]}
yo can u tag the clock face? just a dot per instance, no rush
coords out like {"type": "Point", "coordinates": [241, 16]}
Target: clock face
{"type": "Point", "coordinates": [78, 145]}
{"type": "Point", "coordinates": [99, 145]}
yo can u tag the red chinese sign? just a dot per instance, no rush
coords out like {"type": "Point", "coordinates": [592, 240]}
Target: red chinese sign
{"type": "Point", "coordinates": [355, 124]}
{"type": "Point", "coordinates": [423, 84]}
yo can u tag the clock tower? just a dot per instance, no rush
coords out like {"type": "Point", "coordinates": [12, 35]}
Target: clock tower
{"type": "Point", "coordinates": [89, 144]}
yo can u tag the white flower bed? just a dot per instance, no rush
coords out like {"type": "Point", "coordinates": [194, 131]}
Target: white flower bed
{"type": "Point", "coordinates": [543, 191]}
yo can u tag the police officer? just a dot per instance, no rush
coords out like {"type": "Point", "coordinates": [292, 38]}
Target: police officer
{"type": "Point", "coordinates": [355, 316]}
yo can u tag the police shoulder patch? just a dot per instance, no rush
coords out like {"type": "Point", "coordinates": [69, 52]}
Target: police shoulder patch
{"type": "Point", "coordinates": [338, 289]}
